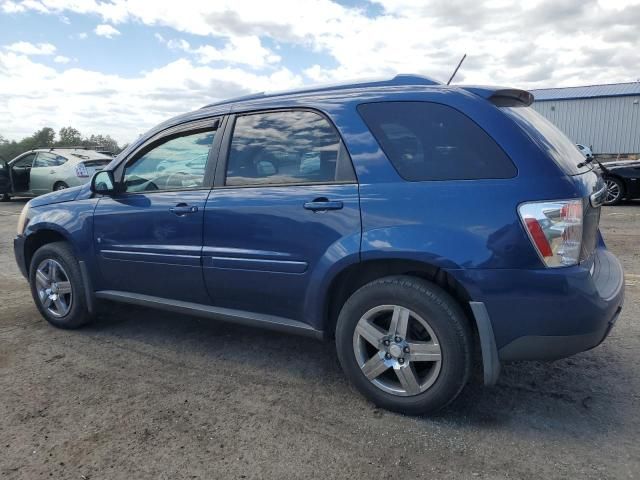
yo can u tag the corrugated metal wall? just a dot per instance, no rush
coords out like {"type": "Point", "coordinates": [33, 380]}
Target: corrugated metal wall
{"type": "Point", "coordinates": [609, 124]}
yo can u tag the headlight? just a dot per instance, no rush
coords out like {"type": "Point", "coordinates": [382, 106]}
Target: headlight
{"type": "Point", "coordinates": [23, 220]}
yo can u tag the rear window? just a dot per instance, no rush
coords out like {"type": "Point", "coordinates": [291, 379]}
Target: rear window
{"type": "Point", "coordinates": [549, 138]}
{"type": "Point", "coordinates": [430, 141]}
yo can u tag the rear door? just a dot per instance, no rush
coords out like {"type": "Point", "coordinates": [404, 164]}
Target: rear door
{"type": "Point", "coordinates": [285, 205]}
{"type": "Point", "coordinates": [45, 172]}
{"type": "Point", "coordinates": [149, 237]}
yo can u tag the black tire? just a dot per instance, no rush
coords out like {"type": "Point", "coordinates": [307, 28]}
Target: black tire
{"type": "Point", "coordinates": [614, 198]}
{"type": "Point", "coordinates": [444, 316]}
{"type": "Point", "coordinates": [60, 186]}
{"type": "Point", "coordinates": [5, 197]}
{"type": "Point", "coordinates": [78, 314]}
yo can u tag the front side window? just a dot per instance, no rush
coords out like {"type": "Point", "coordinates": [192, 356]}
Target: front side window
{"type": "Point", "coordinates": [289, 147]}
{"type": "Point", "coordinates": [176, 164]}
{"type": "Point", "coordinates": [26, 161]}
{"type": "Point", "coordinates": [430, 141]}
{"type": "Point", "coordinates": [45, 159]}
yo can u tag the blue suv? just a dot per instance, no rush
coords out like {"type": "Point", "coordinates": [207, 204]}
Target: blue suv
{"type": "Point", "coordinates": [416, 223]}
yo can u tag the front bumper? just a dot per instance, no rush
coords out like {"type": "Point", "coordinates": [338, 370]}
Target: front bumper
{"type": "Point", "coordinates": [548, 314]}
{"type": "Point", "coordinates": [18, 251]}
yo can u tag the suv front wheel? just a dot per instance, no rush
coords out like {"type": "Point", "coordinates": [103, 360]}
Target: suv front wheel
{"type": "Point", "coordinates": [405, 344]}
{"type": "Point", "coordinates": [56, 286]}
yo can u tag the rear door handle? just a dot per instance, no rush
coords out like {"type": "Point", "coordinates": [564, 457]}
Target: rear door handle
{"type": "Point", "coordinates": [322, 204]}
{"type": "Point", "coordinates": [183, 209]}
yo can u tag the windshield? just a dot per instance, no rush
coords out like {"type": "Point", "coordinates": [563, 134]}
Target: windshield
{"type": "Point", "coordinates": [551, 139]}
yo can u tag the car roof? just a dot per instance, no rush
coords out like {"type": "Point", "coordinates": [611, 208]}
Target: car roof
{"type": "Point", "coordinates": [77, 152]}
{"type": "Point", "coordinates": [397, 81]}
{"type": "Point", "coordinates": [315, 95]}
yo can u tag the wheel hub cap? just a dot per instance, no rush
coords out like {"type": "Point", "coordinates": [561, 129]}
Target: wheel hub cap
{"type": "Point", "coordinates": [54, 288]}
{"type": "Point", "coordinates": [397, 350]}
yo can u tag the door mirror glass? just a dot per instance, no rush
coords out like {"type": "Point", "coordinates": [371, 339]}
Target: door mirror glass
{"type": "Point", "coordinates": [103, 183]}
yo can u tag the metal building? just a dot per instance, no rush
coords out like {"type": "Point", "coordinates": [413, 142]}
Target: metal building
{"type": "Point", "coordinates": [604, 117]}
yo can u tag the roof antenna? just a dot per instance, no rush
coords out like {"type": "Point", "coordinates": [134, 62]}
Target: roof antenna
{"type": "Point", "coordinates": [457, 68]}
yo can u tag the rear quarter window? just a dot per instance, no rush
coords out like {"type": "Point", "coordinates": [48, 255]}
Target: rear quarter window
{"type": "Point", "coordinates": [430, 141]}
{"type": "Point", "coordinates": [550, 139]}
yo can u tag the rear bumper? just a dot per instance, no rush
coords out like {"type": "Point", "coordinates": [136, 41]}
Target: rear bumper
{"type": "Point", "coordinates": [551, 347]}
{"type": "Point", "coordinates": [548, 314]}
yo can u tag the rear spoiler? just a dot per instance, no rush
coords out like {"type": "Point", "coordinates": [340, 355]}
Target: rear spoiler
{"type": "Point", "coordinates": [503, 97]}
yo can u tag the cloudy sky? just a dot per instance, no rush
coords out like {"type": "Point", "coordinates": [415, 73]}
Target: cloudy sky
{"type": "Point", "coordinates": [119, 67]}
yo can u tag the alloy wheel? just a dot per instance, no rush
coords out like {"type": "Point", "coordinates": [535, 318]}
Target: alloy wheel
{"type": "Point", "coordinates": [613, 191]}
{"type": "Point", "coordinates": [397, 350]}
{"type": "Point", "coordinates": [54, 288]}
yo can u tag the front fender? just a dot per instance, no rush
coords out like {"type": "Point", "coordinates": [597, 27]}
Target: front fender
{"type": "Point", "coordinates": [72, 221]}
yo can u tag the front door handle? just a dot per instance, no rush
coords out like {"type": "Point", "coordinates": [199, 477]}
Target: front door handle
{"type": "Point", "coordinates": [322, 204]}
{"type": "Point", "coordinates": [182, 209]}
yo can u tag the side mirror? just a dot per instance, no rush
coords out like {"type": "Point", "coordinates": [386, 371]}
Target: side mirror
{"type": "Point", "coordinates": [103, 183]}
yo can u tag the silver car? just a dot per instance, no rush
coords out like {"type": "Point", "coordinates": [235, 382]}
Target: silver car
{"type": "Point", "coordinates": [47, 169]}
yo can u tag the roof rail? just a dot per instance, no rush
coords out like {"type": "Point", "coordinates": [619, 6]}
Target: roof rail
{"type": "Point", "coordinates": [398, 80]}
{"type": "Point", "coordinates": [72, 147]}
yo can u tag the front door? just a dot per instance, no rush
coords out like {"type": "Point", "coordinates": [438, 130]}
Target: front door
{"type": "Point", "coordinates": [149, 237]}
{"type": "Point", "coordinates": [285, 207]}
{"type": "Point", "coordinates": [20, 173]}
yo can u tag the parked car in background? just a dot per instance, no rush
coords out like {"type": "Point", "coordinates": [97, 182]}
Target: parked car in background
{"type": "Point", "coordinates": [45, 170]}
{"type": "Point", "coordinates": [622, 180]}
{"type": "Point", "coordinates": [413, 222]}
{"type": "Point", "coordinates": [584, 150]}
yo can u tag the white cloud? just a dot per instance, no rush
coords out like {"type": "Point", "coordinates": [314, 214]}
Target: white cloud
{"type": "Point", "coordinates": [26, 48]}
{"type": "Point", "coordinates": [112, 104]}
{"type": "Point", "coordinates": [82, 35]}
{"type": "Point", "coordinates": [238, 50]}
{"type": "Point", "coordinates": [107, 31]}
{"type": "Point", "coordinates": [524, 44]}
{"type": "Point", "coordinates": [61, 59]}
{"type": "Point", "coordinates": [528, 44]}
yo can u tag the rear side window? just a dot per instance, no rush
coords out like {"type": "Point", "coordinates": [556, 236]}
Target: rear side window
{"type": "Point", "coordinates": [288, 147]}
{"type": "Point", "coordinates": [429, 141]}
{"type": "Point", "coordinates": [45, 159]}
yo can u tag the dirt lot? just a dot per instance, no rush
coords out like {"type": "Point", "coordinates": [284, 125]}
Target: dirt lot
{"type": "Point", "coordinates": [143, 394]}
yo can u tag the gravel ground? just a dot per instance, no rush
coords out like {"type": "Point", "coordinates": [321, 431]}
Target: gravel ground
{"type": "Point", "coordinates": [144, 394]}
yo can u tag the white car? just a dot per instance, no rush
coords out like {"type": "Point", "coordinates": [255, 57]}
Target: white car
{"type": "Point", "coordinates": [44, 170]}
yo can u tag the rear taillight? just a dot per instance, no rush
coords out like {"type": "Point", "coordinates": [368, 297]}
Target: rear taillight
{"type": "Point", "coordinates": [81, 170]}
{"type": "Point", "coordinates": [555, 229]}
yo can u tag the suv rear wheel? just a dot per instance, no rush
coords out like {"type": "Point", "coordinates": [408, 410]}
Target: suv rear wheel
{"type": "Point", "coordinates": [56, 286]}
{"type": "Point", "coordinates": [405, 344]}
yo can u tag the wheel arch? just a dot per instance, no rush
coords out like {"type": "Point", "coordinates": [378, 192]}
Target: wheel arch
{"type": "Point", "coordinates": [354, 276]}
{"type": "Point", "coordinates": [41, 237]}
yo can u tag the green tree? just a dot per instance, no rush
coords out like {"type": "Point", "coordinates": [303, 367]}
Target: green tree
{"type": "Point", "coordinates": [43, 137]}
{"type": "Point", "coordinates": [69, 136]}
{"type": "Point", "coordinates": [46, 137]}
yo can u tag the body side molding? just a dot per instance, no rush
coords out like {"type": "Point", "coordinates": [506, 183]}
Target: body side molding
{"type": "Point", "coordinates": [251, 319]}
